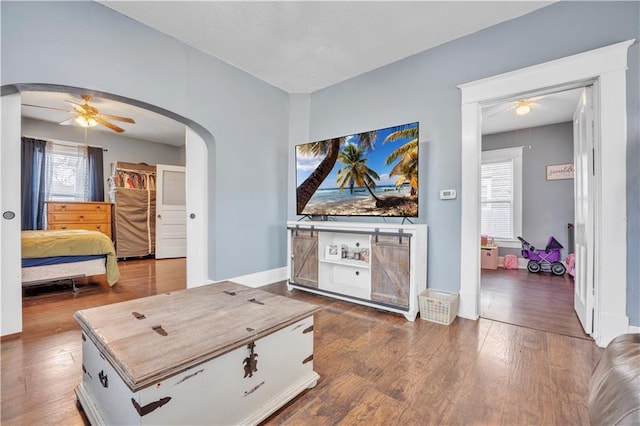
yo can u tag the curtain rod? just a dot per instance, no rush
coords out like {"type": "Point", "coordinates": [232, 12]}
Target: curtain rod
{"type": "Point", "coordinates": [65, 143]}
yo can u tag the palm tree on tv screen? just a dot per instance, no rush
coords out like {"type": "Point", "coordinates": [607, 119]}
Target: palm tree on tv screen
{"type": "Point", "coordinates": [355, 171]}
{"type": "Point", "coordinates": [407, 167]}
{"type": "Point", "coordinates": [329, 149]}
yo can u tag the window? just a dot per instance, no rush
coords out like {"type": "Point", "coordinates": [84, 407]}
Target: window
{"type": "Point", "coordinates": [501, 194]}
{"type": "Point", "coordinates": [67, 172]}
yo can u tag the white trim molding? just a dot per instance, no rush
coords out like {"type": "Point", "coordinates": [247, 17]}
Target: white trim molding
{"type": "Point", "coordinates": [605, 68]}
{"type": "Point", "coordinates": [261, 278]}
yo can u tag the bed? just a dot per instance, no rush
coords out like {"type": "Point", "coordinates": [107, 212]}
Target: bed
{"type": "Point", "coordinates": [67, 254]}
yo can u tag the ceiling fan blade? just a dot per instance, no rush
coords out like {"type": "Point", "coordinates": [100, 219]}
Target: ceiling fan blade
{"type": "Point", "coordinates": [79, 108]}
{"type": "Point", "coordinates": [502, 108]}
{"type": "Point", "coordinates": [46, 107]}
{"type": "Point", "coordinates": [68, 121]}
{"type": "Point", "coordinates": [117, 118]}
{"type": "Point", "coordinates": [536, 98]}
{"type": "Point", "coordinates": [105, 123]}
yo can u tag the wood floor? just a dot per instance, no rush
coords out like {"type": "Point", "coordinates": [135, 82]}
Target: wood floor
{"type": "Point", "coordinates": [375, 368]}
{"type": "Point", "coordinates": [542, 301]}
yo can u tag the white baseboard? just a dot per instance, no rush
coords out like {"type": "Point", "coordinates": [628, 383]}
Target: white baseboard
{"type": "Point", "coordinates": [259, 279]}
{"type": "Point", "coordinates": [634, 329]}
{"type": "Point", "coordinates": [611, 326]}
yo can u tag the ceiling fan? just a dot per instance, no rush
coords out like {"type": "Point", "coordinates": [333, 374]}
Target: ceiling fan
{"type": "Point", "coordinates": [521, 106]}
{"type": "Point", "coordinates": [88, 116]}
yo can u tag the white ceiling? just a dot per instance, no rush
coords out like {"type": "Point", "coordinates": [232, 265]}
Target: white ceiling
{"type": "Point", "coordinates": [304, 46]}
{"type": "Point", "coordinates": [299, 46]}
{"type": "Point", "coordinates": [149, 125]}
{"type": "Point", "coordinates": [545, 109]}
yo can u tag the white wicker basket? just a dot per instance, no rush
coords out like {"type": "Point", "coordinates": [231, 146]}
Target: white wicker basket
{"type": "Point", "coordinates": [438, 306]}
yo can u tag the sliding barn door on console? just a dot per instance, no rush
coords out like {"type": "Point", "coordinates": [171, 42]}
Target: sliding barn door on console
{"type": "Point", "coordinates": [304, 257]}
{"type": "Point", "coordinates": [390, 275]}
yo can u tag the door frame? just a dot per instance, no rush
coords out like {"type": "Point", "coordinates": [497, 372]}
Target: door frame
{"type": "Point", "coordinates": [10, 247]}
{"type": "Point", "coordinates": [606, 69]}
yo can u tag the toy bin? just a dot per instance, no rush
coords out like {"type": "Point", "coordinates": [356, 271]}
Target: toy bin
{"type": "Point", "coordinates": [438, 306]}
{"type": "Point", "coordinates": [489, 258]}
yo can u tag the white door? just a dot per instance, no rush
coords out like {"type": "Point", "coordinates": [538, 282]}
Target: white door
{"type": "Point", "coordinates": [171, 212]}
{"type": "Point", "coordinates": [10, 221]}
{"type": "Point", "coordinates": [583, 152]}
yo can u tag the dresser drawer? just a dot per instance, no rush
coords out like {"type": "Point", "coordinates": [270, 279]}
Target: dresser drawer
{"type": "Point", "coordinates": [79, 207]}
{"type": "Point", "coordinates": [101, 227]}
{"type": "Point", "coordinates": [56, 218]}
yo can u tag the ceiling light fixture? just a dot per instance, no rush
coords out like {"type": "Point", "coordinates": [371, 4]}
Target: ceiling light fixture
{"type": "Point", "coordinates": [523, 108]}
{"type": "Point", "coordinates": [85, 121]}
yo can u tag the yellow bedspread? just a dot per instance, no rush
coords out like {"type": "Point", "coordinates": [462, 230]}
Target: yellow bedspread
{"type": "Point", "coordinates": [75, 242]}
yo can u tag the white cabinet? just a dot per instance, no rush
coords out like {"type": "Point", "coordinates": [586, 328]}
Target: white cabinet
{"type": "Point", "coordinates": [378, 265]}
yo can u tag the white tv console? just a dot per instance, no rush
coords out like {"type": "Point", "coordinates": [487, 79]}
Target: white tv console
{"type": "Point", "coordinates": [384, 265]}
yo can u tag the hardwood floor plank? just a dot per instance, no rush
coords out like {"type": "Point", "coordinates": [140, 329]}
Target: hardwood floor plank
{"type": "Point", "coordinates": [375, 367]}
{"type": "Point", "coordinates": [541, 301]}
{"type": "Point", "coordinates": [530, 396]}
{"type": "Point", "coordinates": [571, 364]}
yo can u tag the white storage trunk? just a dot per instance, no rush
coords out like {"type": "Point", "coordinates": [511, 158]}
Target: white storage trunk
{"type": "Point", "coordinates": [220, 354]}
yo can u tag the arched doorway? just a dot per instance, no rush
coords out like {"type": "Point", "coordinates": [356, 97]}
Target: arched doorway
{"type": "Point", "coordinates": [198, 142]}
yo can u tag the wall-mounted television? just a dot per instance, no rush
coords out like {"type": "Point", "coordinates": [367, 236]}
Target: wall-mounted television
{"type": "Point", "coordinates": [372, 173]}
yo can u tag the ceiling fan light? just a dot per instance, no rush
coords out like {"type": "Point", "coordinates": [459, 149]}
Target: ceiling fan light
{"type": "Point", "coordinates": [523, 109]}
{"type": "Point", "coordinates": [86, 121]}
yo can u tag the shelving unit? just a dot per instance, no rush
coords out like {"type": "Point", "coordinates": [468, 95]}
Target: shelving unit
{"type": "Point", "coordinates": [377, 265]}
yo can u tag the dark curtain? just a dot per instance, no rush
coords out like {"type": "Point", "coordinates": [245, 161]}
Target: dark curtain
{"type": "Point", "coordinates": [96, 174]}
{"type": "Point", "coordinates": [32, 183]}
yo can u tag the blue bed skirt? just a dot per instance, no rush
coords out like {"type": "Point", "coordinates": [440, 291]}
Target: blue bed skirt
{"type": "Point", "coordinates": [42, 261]}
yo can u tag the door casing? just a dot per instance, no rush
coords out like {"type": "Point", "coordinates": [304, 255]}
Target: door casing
{"type": "Point", "coordinates": [606, 69]}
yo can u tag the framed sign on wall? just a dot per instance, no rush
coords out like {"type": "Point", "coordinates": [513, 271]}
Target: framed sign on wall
{"type": "Point", "coordinates": [560, 171]}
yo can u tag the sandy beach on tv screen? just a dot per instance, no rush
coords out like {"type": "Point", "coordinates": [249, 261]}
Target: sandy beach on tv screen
{"type": "Point", "coordinates": [392, 205]}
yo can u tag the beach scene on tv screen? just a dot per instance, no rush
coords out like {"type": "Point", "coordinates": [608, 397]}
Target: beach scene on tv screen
{"type": "Point", "coordinates": [373, 173]}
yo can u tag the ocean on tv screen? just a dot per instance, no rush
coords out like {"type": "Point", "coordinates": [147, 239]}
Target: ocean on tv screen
{"type": "Point", "coordinates": [372, 173]}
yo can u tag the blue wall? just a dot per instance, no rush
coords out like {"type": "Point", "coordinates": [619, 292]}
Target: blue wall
{"type": "Point", "coordinates": [250, 153]}
{"type": "Point", "coordinates": [547, 205]}
{"type": "Point", "coordinates": [247, 117]}
{"type": "Point", "coordinates": [424, 88]}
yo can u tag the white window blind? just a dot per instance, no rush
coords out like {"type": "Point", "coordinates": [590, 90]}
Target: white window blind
{"type": "Point", "coordinates": [67, 172]}
{"type": "Point", "coordinates": [497, 199]}
{"type": "Point", "coordinates": [501, 193]}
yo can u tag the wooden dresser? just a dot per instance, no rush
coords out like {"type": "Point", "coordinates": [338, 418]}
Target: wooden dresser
{"type": "Point", "coordinates": [89, 215]}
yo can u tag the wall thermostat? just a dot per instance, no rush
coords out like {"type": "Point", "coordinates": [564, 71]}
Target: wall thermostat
{"type": "Point", "coordinates": [448, 194]}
